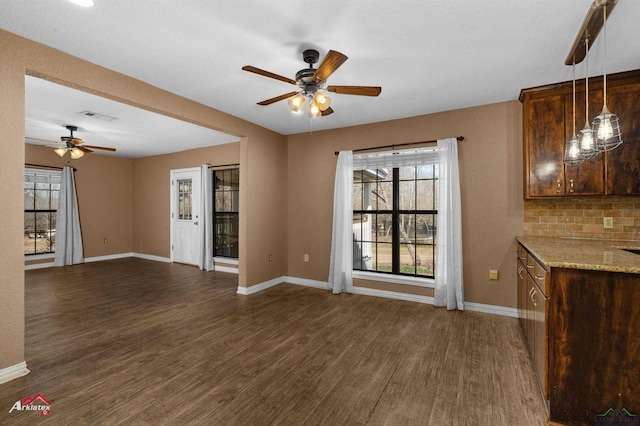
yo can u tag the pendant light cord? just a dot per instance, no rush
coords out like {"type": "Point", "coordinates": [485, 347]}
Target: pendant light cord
{"type": "Point", "coordinates": [586, 91]}
{"type": "Point", "coordinates": [574, 98]}
{"type": "Point", "coordinates": [604, 40]}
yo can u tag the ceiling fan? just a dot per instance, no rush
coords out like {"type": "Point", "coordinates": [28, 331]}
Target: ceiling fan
{"type": "Point", "coordinates": [311, 82]}
{"type": "Point", "coordinates": [75, 146]}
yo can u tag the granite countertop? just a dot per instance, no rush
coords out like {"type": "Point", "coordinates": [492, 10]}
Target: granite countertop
{"type": "Point", "coordinates": [595, 255]}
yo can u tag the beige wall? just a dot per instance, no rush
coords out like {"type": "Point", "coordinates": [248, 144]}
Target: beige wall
{"type": "Point", "coordinates": [104, 189]}
{"type": "Point", "coordinates": [262, 227]}
{"type": "Point", "coordinates": [491, 184]}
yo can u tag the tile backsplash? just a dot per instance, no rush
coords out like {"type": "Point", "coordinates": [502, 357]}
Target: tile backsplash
{"type": "Point", "coordinates": [582, 217]}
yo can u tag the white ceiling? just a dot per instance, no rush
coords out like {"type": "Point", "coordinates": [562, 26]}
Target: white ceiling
{"type": "Point", "coordinates": [427, 55]}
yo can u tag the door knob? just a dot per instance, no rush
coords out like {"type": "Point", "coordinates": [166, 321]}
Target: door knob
{"type": "Point", "coordinates": [195, 223]}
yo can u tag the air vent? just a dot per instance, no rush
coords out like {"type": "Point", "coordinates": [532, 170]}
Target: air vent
{"type": "Point", "coordinates": [97, 115]}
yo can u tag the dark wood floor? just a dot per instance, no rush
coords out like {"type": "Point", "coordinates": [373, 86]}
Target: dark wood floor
{"type": "Point", "coordinates": [132, 341]}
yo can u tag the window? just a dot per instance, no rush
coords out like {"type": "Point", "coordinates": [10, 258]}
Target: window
{"type": "Point", "coordinates": [41, 190]}
{"type": "Point", "coordinates": [394, 220]}
{"type": "Point", "coordinates": [225, 215]}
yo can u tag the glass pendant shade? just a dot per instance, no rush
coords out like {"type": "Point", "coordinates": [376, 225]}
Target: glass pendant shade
{"type": "Point", "coordinates": [606, 128]}
{"type": "Point", "coordinates": [587, 143]}
{"type": "Point", "coordinates": [572, 154]}
{"type": "Point", "coordinates": [323, 101]}
{"type": "Point", "coordinates": [295, 103]}
{"type": "Point", "coordinates": [76, 153]}
{"type": "Point", "coordinates": [313, 111]}
{"type": "Point", "coordinates": [60, 151]}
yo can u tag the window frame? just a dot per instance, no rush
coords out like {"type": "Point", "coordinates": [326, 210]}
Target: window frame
{"type": "Point", "coordinates": [396, 276]}
{"type": "Point", "coordinates": [232, 211]}
{"type": "Point", "coordinates": [41, 176]}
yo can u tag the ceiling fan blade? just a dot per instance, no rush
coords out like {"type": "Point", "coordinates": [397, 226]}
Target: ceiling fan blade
{"type": "Point", "coordinates": [326, 111]}
{"type": "Point", "coordinates": [356, 90]}
{"type": "Point", "coordinates": [264, 73]}
{"type": "Point", "coordinates": [104, 148]}
{"type": "Point", "coordinates": [329, 64]}
{"type": "Point", "coordinates": [83, 148]}
{"type": "Point", "coordinates": [277, 98]}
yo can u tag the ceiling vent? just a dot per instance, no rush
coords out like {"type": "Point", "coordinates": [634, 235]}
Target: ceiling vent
{"type": "Point", "coordinates": [97, 115]}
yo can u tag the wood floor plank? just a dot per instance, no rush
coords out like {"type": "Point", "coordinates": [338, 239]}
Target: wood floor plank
{"type": "Point", "coordinates": [131, 341]}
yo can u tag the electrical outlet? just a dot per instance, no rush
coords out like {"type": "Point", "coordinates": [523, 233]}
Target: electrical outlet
{"type": "Point", "coordinates": [106, 240]}
{"type": "Point", "coordinates": [493, 274]}
{"type": "Point", "coordinates": [608, 222]}
{"type": "Point", "coordinates": [270, 258]}
{"type": "Point", "coordinates": [306, 257]}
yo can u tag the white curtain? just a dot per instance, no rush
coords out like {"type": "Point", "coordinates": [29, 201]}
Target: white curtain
{"type": "Point", "coordinates": [206, 219]}
{"type": "Point", "coordinates": [68, 249]}
{"type": "Point", "coordinates": [449, 287]}
{"type": "Point", "coordinates": [341, 265]}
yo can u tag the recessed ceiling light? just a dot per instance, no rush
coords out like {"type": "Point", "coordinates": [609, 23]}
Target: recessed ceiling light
{"type": "Point", "coordinates": [83, 3]}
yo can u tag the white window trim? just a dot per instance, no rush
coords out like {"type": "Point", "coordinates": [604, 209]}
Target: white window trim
{"type": "Point", "coordinates": [392, 278]}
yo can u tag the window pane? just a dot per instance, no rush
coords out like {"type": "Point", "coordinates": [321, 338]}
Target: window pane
{"type": "Point", "coordinates": [357, 196]}
{"type": "Point", "coordinates": [407, 259]}
{"type": "Point", "coordinates": [382, 198]}
{"type": "Point", "coordinates": [29, 196]}
{"type": "Point", "coordinates": [383, 228]}
{"type": "Point", "coordinates": [29, 233]}
{"type": "Point", "coordinates": [42, 234]}
{"type": "Point", "coordinates": [407, 227]}
{"type": "Point", "coordinates": [357, 176]}
{"type": "Point", "coordinates": [226, 235]}
{"type": "Point", "coordinates": [426, 256]}
{"type": "Point", "coordinates": [382, 260]}
{"type": "Point", "coordinates": [184, 199]}
{"type": "Point", "coordinates": [407, 173]}
{"type": "Point", "coordinates": [425, 229]}
{"type": "Point", "coordinates": [54, 198]}
{"type": "Point", "coordinates": [427, 172]}
{"type": "Point", "coordinates": [42, 197]}
{"type": "Point", "coordinates": [407, 195]}
{"type": "Point", "coordinates": [425, 194]}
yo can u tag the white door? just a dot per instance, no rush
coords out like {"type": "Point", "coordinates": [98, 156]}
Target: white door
{"type": "Point", "coordinates": [185, 216]}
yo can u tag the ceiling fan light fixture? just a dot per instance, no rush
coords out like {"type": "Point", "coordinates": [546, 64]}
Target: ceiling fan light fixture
{"type": "Point", "coordinates": [295, 103]}
{"type": "Point", "coordinates": [76, 153]}
{"type": "Point", "coordinates": [313, 110]}
{"type": "Point", "coordinates": [60, 151]}
{"type": "Point", "coordinates": [322, 101]}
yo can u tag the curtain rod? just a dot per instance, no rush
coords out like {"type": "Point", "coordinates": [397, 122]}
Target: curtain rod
{"type": "Point", "coordinates": [224, 165]}
{"type": "Point", "coordinates": [394, 146]}
{"type": "Point", "coordinates": [46, 167]}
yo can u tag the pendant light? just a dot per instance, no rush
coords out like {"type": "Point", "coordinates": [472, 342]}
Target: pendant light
{"type": "Point", "coordinates": [606, 126]}
{"type": "Point", "coordinates": [585, 136]}
{"type": "Point", "coordinates": [572, 154]}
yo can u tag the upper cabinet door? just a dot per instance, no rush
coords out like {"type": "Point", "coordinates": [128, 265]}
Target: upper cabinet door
{"type": "Point", "coordinates": [543, 142]}
{"type": "Point", "coordinates": [623, 163]}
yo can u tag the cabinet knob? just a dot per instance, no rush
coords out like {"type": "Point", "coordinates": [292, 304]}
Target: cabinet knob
{"type": "Point", "coordinates": [539, 277]}
{"type": "Point", "coordinates": [571, 185]}
{"type": "Point", "coordinates": [558, 187]}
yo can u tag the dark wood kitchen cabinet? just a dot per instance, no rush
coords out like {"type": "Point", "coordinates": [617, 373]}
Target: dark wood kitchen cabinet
{"type": "Point", "coordinates": [548, 123]}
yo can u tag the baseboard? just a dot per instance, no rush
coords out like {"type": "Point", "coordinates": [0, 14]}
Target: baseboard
{"type": "Point", "coordinates": [491, 309]}
{"type": "Point", "coordinates": [151, 257]}
{"type": "Point", "coordinates": [245, 291]}
{"type": "Point", "coordinates": [38, 266]}
{"type": "Point", "coordinates": [393, 295]}
{"type": "Point", "coordinates": [13, 372]}
{"type": "Point", "coordinates": [225, 269]}
{"type": "Point", "coordinates": [107, 257]}
{"type": "Point", "coordinates": [307, 283]}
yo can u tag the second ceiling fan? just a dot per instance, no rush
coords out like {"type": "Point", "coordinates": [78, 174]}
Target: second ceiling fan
{"type": "Point", "coordinates": [312, 82]}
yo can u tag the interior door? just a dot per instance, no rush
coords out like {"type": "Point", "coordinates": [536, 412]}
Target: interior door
{"type": "Point", "coordinates": [185, 216]}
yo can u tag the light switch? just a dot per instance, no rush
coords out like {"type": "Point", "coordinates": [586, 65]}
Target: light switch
{"type": "Point", "coordinates": [493, 274]}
